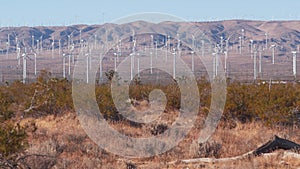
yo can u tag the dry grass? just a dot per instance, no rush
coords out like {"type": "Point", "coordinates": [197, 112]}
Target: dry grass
{"type": "Point", "coordinates": [63, 139]}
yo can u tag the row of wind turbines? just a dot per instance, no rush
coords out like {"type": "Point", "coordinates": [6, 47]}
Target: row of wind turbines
{"type": "Point", "coordinates": [67, 53]}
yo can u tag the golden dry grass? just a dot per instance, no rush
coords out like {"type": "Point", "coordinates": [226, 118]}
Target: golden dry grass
{"type": "Point", "coordinates": [64, 138]}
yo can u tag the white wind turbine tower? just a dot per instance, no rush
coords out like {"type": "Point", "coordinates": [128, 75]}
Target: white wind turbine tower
{"type": "Point", "coordinates": [80, 37]}
{"type": "Point", "coordinates": [7, 45]}
{"type": "Point", "coordinates": [64, 65]}
{"type": "Point", "coordinates": [35, 69]}
{"type": "Point", "coordinates": [243, 37]}
{"type": "Point", "coordinates": [52, 46]}
{"type": "Point", "coordinates": [131, 65]}
{"type": "Point", "coordinates": [226, 53]}
{"type": "Point", "coordinates": [101, 74]}
{"type": "Point", "coordinates": [254, 66]}
{"type": "Point", "coordinates": [215, 62]}
{"type": "Point", "coordinates": [71, 53]}
{"type": "Point", "coordinates": [156, 49]}
{"type": "Point", "coordinates": [69, 64]}
{"type": "Point", "coordinates": [260, 62]}
{"type": "Point", "coordinates": [120, 41]}
{"type": "Point", "coordinates": [266, 34]}
{"type": "Point", "coordinates": [225, 65]}
{"type": "Point", "coordinates": [151, 57]}
{"type": "Point", "coordinates": [32, 42]}
{"type": "Point", "coordinates": [166, 43]}
{"type": "Point", "coordinates": [69, 41]}
{"type": "Point", "coordinates": [115, 61]}
{"type": "Point", "coordinates": [24, 67]}
{"type": "Point", "coordinates": [294, 63]}
{"type": "Point", "coordinates": [18, 54]}
{"type": "Point", "coordinates": [273, 54]}
{"type": "Point", "coordinates": [90, 59]}
{"type": "Point", "coordinates": [132, 59]}
{"type": "Point", "coordinates": [221, 43]}
{"type": "Point", "coordinates": [118, 51]}
{"type": "Point", "coordinates": [38, 46]}
{"type": "Point", "coordinates": [240, 39]}
{"type": "Point", "coordinates": [59, 47]}
{"type": "Point", "coordinates": [133, 51]}
{"type": "Point", "coordinates": [227, 44]}
{"type": "Point", "coordinates": [214, 65]}
{"type": "Point", "coordinates": [178, 46]}
{"type": "Point", "coordinates": [251, 46]}
{"type": "Point", "coordinates": [138, 64]}
{"type": "Point", "coordinates": [193, 47]}
{"type": "Point", "coordinates": [25, 56]}
{"type": "Point", "coordinates": [87, 67]}
{"type": "Point", "coordinates": [95, 42]}
{"type": "Point", "coordinates": [174, 63]}
{"type": "Point", "coordinates": [41, 45]}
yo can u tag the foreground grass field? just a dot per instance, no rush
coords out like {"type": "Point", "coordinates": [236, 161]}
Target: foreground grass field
{"type": "Point", "coordinates": [40, 129]}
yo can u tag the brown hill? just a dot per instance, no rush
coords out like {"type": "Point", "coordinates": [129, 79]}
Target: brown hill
{"type": "Point", "coordinates": [283, 33]}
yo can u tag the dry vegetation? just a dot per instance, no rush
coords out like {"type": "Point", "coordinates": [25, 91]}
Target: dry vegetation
{"type": "Point", "coordinates": [39, 128]}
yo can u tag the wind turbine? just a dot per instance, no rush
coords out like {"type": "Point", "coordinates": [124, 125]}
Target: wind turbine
{"type": "Point", "coordinates": [64, 65]}
{"type": "Point", "coordinates": [294, 63]}
{"type": "Point", "coordinates": [18, 54]}
{"type": "Point", "coordinates": [243, 37]}
{"type": "Point", "coordinates": [32, 42]}
{"type": "Point", "coordinates": [214, 65]}
{"type": "Point", "coordinates": [226, 58]}
{"type": "Point", "coordinates": [215, 62]}
{"type": "Point", "coordinates": [266, 34]}
{"type": "Point", "coordinates": [240, 38]}
{"type": "Point", "coordinates": [254, 66]}
{"type": "Point", "coordinates": [227, 44]}
{"type": "Point", "coordinates": [59, 47]}
{"type": "Point", "coordinates": [24, 67]}
{"type": "Point", "coordinates": [131, 66]}
{"type": "Point", "coordinates": [138, 64]}
{"type": "Point", "coordinates": [178, 45]}
{"type": "Point", "coordinates": [38, 46]}
{"type": "Point", "coordinates": [221, 43]}
{"type": "Point", "coordinates": [118, 51]}
{"type": "Point", "coordinates": [115, 61]}
{"type": "Point", "coordinates": [174, 63]}
{"type": "Point", "coordinates": [95, 43]}
{"type": "Point", "coordinates": [120, 41]}
{"type": "Point", "coordinates": [69, 41]}
{"type": "Point", "coordinates": [273, 54]}
{"type": "Point", "coordinates": [7, 45]}
{"type": "Point", "coordinates": [69, 64]}
{"type": "Point", "coordinates": [260, 62]}
{"type": "Point", "coordinates": [90, 58]}
{"type": "Point", "coordinates": [41, 45]}
{"type": "Point", "coordinates": [251, 46]}
{"type": "Point", "coordinates": [156, 49]}
{"type": "Point", "coordinates": [52, 52]}
{"type": "Point", "coordinates": [168, 37]}
{"type": "Point", "coordinates": [151, 57]}
{"type": "Point", "coordinates": [25, 56]}
{"type": "Point", "coordinates": [101, 74]}
{"type": "Point", "coordinates": [133, 51]}
{"type": "Point", "coordinates": [87, 67]}
{"type": "Point", "coordinates": [193, 45]}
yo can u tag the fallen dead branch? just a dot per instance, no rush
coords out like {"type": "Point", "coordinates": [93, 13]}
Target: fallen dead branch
{"type": "Point", "coordinates": [265, 150]}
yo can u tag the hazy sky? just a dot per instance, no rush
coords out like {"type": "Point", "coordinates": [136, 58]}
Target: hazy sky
{"type": "Point", "coordinates": [66, 12]}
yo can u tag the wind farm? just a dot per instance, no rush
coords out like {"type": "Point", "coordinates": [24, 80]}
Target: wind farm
{"type": "Point", "coordinates": [232, 46]}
